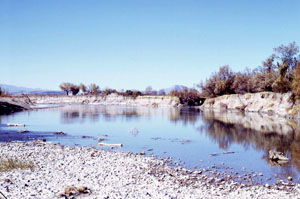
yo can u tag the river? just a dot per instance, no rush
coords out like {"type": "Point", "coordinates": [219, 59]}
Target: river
{"type": "Point", "coordinates": [233, 141]}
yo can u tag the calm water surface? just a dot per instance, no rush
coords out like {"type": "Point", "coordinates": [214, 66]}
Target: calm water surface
{"type": "Point", "coordinates": [201, 139]}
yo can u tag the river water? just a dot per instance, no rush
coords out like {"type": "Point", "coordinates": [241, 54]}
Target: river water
{"type": "Point", "coordinates": [238, 141]}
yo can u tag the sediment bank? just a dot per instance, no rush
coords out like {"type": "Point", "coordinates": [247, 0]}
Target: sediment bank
{"type": "Point", "coordinates": [265, 102]}
{"type": "Point", "coordinates": [112, 99]}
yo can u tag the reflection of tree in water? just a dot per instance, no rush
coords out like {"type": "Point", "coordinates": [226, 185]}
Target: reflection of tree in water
{"type": "Point", "coordinates": [185, 115]}
{"type": "Point", "coordinates": [77, 116]}
{"type": "Point", "coordinates": [73, 114]}
{"type": "Point", "coordinates": [226, 134]}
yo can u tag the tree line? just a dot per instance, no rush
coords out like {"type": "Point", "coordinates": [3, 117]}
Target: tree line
{"type": "Point", "coordinates": [280, 72]}
{"type": "Point", "coordinates": [186, 96]}
{"type": "Point", "coordinates": [94, 89]}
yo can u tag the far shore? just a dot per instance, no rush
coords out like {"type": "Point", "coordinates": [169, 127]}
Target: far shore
{"type": "Point", "coordinates": [270, 103]}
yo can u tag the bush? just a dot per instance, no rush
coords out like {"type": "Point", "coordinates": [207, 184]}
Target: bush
{"type": "Point", "coordinates": [240, 84]}
{"type": "Point", "coordinates": [94, 89]}
{"type": "Point", "coordinates": [130, 93]}
{"type": "Point", "coordinates": [189, 97]}
{"type": "Point", "coordinates": [296, 82]}
{"type": "Point", "coordinates": [10, 164]}
{"type": "Point", "coordinates": [108, 91]}
{"type": "Point", "coordinates": [283, 81]}
{"type": "Point", "coordinates": [219, 83]}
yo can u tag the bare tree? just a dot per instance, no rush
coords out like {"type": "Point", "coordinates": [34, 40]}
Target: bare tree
{"type": "Point", "coordinates": [66, 86]}
{"type": "Point", "coordinates": [69, 88]}
{"type": "Point", "coordinates": [74, 89]}
{"type": "Point", "coordinates": [83, 88]}
{"type": "Point", "coordinates": [148, 90]}
{"type": "Point", "coordinates": [94, 89]}
{"type": "Point", "coordinates": [161, 92]}
{"type": "Point", "coordinates": [296, 82]}
{"type": "Point", "coordinates": [288, 54]}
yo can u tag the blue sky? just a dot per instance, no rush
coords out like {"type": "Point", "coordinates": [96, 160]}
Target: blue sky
{"type": "Point", "coordinates": [132, 44]}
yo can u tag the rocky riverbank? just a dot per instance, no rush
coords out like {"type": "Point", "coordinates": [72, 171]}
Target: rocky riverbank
{"type": "Point", "coordinates": [265, 102]}
{"type": "Point", "coordinates": [60, 171]}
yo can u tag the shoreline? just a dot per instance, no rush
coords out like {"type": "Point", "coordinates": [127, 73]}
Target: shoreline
{"type": "Point", "coordinates": [117, 174]}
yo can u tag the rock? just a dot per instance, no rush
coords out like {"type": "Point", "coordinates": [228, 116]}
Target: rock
{"type": "Point", "coordinates": [60, 133]}
{"type": "Point", "coordinates": [74, 191]}
{"type": "Point", "coordinates": [101, 139]}
{"type": "Point", "coordinates": [110, 145]}
{"type": "Point", "coordinates": [267, 186]}
{"type": "Point", "coordinates": [16, 124]}
{"type": "Point", "coordinates": [290, 178]}
{"type": "Point", "coordinates": [277, 156]}
{"type": "Point", "coordinates": [23, 131]}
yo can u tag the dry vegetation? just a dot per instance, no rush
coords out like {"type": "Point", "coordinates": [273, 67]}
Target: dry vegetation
{"type": "Point", "coordinates": [14, 163]}
{"type": "Point", "coordinates": [278, 73]}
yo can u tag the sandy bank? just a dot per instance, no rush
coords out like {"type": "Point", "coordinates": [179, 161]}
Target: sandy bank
{"type": "Point", "coordinates": [265, 102]}
{"type": "Point", "coordinates": [116, 175]}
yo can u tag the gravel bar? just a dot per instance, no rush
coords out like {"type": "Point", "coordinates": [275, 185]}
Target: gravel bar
{"type": "Point", "coordinates": [58, 170]}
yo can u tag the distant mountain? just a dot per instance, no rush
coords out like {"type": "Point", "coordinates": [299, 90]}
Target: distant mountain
{"type": "Point", "coordinates": [175, 87]}
{"type": "Point", "coordinates": [23, 90]}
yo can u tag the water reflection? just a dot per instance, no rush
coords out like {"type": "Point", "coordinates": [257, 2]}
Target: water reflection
{"type": "Point", "coordinates": [82, 113]}
{"type": "Point", "coordinates": [262, 132]}
{"type": "Point", "coordinates": [249, 130]}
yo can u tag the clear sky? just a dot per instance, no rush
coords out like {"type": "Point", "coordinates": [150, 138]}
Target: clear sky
{"type": "Point", "coordinates": [132, 44]}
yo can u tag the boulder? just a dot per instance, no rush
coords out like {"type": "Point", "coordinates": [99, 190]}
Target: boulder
{"type": "Point", "coordinates": [277, 156]}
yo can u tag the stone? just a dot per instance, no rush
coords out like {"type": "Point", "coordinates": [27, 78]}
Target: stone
{"type": "Point", "coordinates": [277, 156]}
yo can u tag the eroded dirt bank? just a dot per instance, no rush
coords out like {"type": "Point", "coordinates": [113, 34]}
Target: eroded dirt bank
{"type": "Point", "coordinates": [112, 99]}
{"type": "Point", "coordinates": [264, 102]}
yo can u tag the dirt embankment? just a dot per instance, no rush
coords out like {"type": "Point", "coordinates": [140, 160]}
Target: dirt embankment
{"type": "Point", "coordinates": [10, 105]}
{"type": "Point", "coordinates": [112, 99]}
{"type": "Point", "coordinates": [265, 102]}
